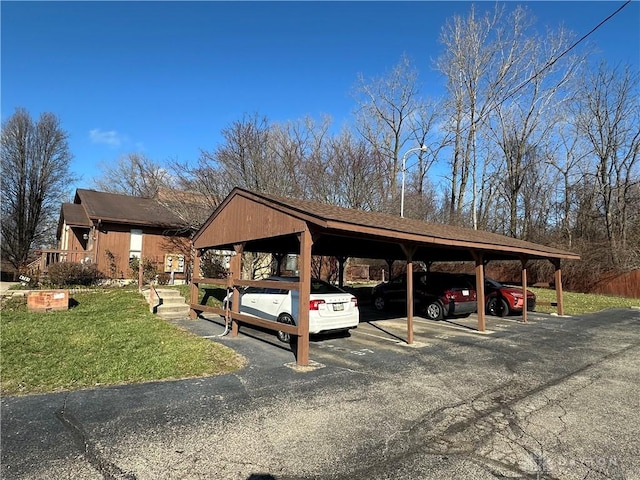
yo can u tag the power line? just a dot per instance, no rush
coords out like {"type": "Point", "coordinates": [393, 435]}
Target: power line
{"type": "Point", "coordinates": [548, 65]}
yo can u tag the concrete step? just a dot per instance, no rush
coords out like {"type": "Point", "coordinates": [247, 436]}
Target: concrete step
{"type": "Point", "coordinates": [172, 305]}
{"type": "Point", "coordinates": [173, 311]}
{"type": "Point", "coordinates": [164, 293]}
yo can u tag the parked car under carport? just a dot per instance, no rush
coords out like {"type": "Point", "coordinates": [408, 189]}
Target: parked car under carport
{"type": "Point", "coordinates": [436, 294]}
{"type": "Point", "coordinates": [503, 300]}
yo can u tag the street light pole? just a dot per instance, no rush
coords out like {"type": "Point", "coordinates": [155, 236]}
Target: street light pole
{"type": "Point", "coordinates": [422, 148]}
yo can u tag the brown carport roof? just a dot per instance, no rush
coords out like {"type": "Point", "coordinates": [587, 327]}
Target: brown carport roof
{"type": "Point", "coordinates": [353, 233]}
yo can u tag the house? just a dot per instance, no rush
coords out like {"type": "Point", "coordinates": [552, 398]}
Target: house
{"type": "Point", "coordinates": [109, 230]}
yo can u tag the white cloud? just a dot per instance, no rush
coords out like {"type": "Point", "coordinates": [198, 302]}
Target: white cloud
{"type": "Point", "coordinates": [111, 137]}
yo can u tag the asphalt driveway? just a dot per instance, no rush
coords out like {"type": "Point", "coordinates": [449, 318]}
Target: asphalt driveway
{"type": "Point", "coordinates": [558, 397]}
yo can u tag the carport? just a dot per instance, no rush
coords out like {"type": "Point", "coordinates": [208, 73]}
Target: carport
{"type": "Point", "coordinates": [247, 221]}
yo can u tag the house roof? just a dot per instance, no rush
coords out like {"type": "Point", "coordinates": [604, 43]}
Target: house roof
{"type": "Point", "coordinates": [356, 233]}
{"type": "Point", "coordinates": [113, 207]}
{"type": "Point", "coordinates": [75, 215]}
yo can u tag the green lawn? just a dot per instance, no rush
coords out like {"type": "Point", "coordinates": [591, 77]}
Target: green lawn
{"type": "Point", "coordinates": [107, 337]}
{"type": "Point", "coordinates": [579, 303]}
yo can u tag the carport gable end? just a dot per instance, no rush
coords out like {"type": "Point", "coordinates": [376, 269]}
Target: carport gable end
{"type": "Point", "coordinates": [242, 219]}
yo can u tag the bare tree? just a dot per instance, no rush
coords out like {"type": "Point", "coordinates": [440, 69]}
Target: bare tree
{"type": "Point", "coordinates": [524, 122]}
{"type": "Point", "coordinates": [264, 157]}
{"type": "Point", "coordinates": [35, 177]}
{"type": "Point", "coordinates": [608, 115]}
{"type": "Point", "coordinates": [385, 106]}
{"type": "Point", "coordinates": [242, 160]}
{"type": "Point", "coordinates": [569, 159]}
{"type": "Point", "coordinates": [192, 207]}
{"type": "Point", "coordinates": [420, 192]}
{"type": "Point", "coordinates": [478, 67]}
{"type": "Point", "coordinates": [133, 174]}
{"type": "Point", "coordinates": [292, 146]}
{"type": "Point", "coordinates": [346, 172]}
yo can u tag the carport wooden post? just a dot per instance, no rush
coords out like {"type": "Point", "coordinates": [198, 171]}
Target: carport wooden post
{"type": "Point", "coordinates": [302, 344]}
{"type": "Point", "coordinates": [478, 257]}
{"type": "Point", "coordinates": [409, 251]}
{"type": "Point", "coordinates": [558, 283]}
{"type": "Point", "coordinates": [524, 260]}
{"type": "Point", "coordinates": [193, 288]}
{"type": "Point", "coordinates": [235, 267]}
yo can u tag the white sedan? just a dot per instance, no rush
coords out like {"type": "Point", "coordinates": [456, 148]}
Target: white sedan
{"type": "Point", "coordinates": [330, 308]}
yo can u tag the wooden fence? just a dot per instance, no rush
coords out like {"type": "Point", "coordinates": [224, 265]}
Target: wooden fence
{"type": "Point", "coordinates": [624, 285]}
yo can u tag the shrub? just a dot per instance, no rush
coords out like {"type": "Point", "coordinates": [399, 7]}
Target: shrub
{"type": "Point", "coordinates": [112, 262]}
{"type": "Point", "coordinates": [67, 273]}
{"type": "Point", "coordinates": [148, 269]}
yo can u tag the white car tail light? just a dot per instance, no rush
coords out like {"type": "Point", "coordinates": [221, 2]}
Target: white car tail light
{"type": "Point", "coordinates": [315, 304]}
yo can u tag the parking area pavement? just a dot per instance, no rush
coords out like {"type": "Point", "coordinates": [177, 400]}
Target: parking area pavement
{"type": "Point", "coordinates": [557, 397]}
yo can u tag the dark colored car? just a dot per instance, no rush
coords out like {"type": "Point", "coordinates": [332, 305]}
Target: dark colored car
{"type": "Point", "coordinates": [436, 294]}
{"type": "Point", "coordinates": [502, 300]}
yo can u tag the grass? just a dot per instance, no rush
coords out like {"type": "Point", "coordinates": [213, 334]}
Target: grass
{"type": "Point", "coordinates": [580, 303]}
{"type": "Point", "coordinates": [108, 337]}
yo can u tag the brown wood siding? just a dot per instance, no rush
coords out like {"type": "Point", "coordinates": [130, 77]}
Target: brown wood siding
{"type": "Point", "coordinates": [75, 243]}
{"type": "Point", "coordinates": [117, 239]}
{"type": "Point", "coordinates": [243, 219]}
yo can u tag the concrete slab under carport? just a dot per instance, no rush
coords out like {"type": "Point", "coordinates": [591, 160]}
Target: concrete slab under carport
{"type": "Point", "coordinates": [392, 330]}
{"type": "Point", "coordinates": [377, 332]}
{"type": "Point", "coordinates": [462, 324]}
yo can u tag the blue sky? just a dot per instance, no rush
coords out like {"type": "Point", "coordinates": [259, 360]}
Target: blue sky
{"type": "Point", "coordinates": [164, 78]}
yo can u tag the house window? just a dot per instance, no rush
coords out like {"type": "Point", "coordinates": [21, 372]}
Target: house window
{"type": "Point", "coordinates": [135, 247]}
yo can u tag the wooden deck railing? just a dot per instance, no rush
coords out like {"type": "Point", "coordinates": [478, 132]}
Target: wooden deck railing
{"type": "Point", "coordinates": [49, 257]}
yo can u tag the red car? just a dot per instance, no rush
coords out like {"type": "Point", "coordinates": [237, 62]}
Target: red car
{"type": "Point", "coordinates": [502, 300]}
{"type": "Point", "coordinates": [437, 295]}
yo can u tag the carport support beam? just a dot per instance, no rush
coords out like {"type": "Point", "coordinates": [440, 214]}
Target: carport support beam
{"type": "Point", "coordinates": [524, 289]}
{"type": "Point", "coordinates": [478, 257]}
{"type": "Point", "coordinates": [235, 267]}
{"type": "Point", "coordinates": [558, 284]}
{"type": "Point", "coordinates": [193, 288]}
{"type": "Point", "coordinates": [409, 251]}
{"type": "Point", "coordinates": [302, 343]}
